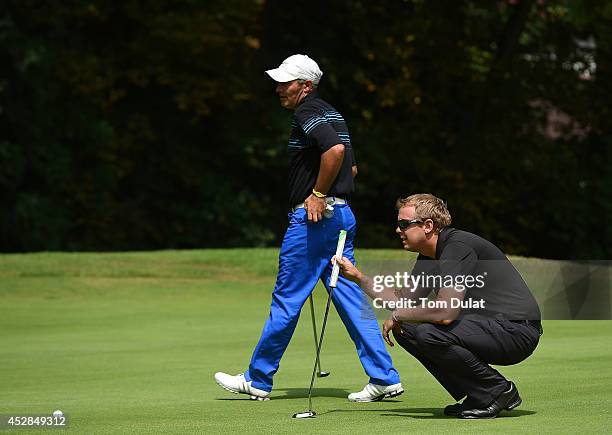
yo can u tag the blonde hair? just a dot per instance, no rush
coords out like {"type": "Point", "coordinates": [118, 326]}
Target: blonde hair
{"type": "Point", "coordinates": [427, 206]}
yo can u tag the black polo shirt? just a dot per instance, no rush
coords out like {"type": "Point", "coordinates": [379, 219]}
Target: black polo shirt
{"type": "Point", "coordinates": [316, 127]}
{"type": "Point", "coordinates": [494, 278]}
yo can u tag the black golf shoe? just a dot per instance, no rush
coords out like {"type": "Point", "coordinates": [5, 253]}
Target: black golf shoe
{"type": "Point", "coordinates": [455, 410]}
{"type": "Point", "coordinates": [507, 400]}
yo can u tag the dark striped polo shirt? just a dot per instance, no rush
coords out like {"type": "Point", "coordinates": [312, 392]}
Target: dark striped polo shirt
{"type": "Point", "coordinates": [316, 127]}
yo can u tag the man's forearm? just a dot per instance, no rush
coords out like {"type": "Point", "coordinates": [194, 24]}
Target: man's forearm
{"type": "Point", "coordinates": [331, 162]}
{"type": "Point", "coordinates": [367, 285]}
{"type": "Point", "coordinates": [444, 311]}
{"type": "Point", "coordinates": [415, 312]}
{"type": "Point", "coordinates": [419, 314]}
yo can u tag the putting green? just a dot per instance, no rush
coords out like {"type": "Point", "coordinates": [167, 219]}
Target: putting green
{"type": "Point", "coordinates": [128, 343]}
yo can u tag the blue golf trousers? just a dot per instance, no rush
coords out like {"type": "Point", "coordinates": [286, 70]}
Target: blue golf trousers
{"type": "Point", "coordinates": [304, 259]}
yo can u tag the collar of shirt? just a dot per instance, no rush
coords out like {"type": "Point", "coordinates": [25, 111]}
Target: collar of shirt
{"type": "Point", "coordinates": [442, 237]}
{"type": "Point", "coordinates": [312, 95]}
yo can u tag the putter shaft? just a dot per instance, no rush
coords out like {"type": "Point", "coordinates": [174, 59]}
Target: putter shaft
{"type": "Point", "coordinates": [320, 373]}
{"type": "Point", "coordinates": [320, 342]}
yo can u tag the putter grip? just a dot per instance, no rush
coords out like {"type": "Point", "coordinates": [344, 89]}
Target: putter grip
{"type": "Point", "coordinates": [333, 280]}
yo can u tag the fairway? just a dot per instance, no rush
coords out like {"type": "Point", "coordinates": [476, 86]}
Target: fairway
{"type": "Point", "coordinates": [129, 343]}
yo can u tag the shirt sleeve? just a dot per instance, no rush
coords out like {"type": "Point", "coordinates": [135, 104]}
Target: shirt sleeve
{"type": "Point", "coordinates": [317, 128]}
{"type": "Point", "coordinates": [424, 268]}
{"type": "Point", "coordinates": [458, 260]}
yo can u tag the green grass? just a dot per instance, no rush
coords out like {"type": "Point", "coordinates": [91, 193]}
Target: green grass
{"type": "Point", "coordinates": [128, 343]}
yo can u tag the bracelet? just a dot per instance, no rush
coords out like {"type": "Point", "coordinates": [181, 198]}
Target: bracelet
{"type": "Point", "coordinates": [318, 194]}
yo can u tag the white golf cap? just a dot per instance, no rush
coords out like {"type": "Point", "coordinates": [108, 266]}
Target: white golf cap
{"type": "Point", "coordinates": [298, 66]}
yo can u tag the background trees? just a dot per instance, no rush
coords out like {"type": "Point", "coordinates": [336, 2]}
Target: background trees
{"type": "Point", "coordinates": [133, 126]}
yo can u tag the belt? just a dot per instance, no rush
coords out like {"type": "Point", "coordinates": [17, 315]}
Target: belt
{"type": "Point", "coordinates": [331, 200]}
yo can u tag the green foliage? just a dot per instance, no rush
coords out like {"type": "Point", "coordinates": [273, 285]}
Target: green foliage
{"type": "Point", "coordinates": [132, 127]}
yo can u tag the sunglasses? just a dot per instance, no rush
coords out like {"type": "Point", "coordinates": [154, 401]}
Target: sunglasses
{"type": "Point", "coordinates": [405, 223]}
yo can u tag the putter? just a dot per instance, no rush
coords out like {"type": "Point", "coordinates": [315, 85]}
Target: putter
{"type": "Point", "coordinates": [320, 373]}
{"type": "Point", "coordinates": [333, 280]}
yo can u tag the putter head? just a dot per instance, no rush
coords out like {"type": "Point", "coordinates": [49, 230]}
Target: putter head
{"type": "Point", "coordinates": [306, 414]}
{"type": "Point", "coordinates": [322, 374]}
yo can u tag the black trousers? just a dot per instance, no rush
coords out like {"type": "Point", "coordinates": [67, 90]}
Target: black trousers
{"type": "Point", "coordinates": [458, 355]}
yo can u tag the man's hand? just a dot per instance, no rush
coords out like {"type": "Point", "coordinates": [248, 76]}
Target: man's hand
{"type": "Point", "coordinates": [388, 326]}
{"type": "Point", "coordinates": [314, 207]}
{"type": "Point", "coordinates": [347, 269]}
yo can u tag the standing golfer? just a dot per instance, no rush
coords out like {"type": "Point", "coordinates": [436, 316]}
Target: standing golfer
{"type": "Point", "coordinates": [482, 311]}
{"type": "Point", "coordinates": [321, 171]}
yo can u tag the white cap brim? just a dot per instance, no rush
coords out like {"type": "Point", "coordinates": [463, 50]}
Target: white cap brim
{"type": "Point", "coordinates": [280, 75]}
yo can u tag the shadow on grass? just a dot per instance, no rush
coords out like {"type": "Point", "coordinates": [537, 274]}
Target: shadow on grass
{"type": "Point", "coordinates": [423, 413]}
{"type": "Point", "coordinates": [298, 393]}
{"type": "Point", "coordinates": [302, 393]}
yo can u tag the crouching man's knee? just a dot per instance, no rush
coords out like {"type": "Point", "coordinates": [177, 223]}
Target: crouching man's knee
{"type": "Point", "coordinates": [430, 335]}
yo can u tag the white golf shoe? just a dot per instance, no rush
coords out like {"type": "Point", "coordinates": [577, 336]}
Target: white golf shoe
{"type": "Point", "coordinates": [374, 393]}
{"type": "Point", "coordinates": [238, 385]}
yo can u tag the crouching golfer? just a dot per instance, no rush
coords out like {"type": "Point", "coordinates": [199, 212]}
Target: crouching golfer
{"type": "Point", "coordinates": [482, 311]}
{"type": "Point", "coordinates": [321, 170]}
